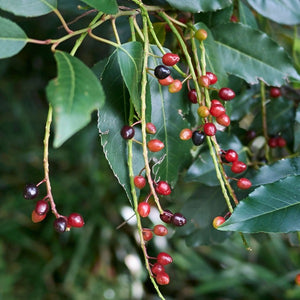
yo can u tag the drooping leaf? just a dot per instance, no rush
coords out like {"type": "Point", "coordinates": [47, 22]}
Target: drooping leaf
{"type": "Point", "coordinates": [297, 131]}
{"type": "Point", "coordinates": [272, 207]}
{"type": "Point", "coordinates": [106, 6]}
{"type": "Point", "coordinates": [281, 11]}
{"type": "Point", "coordinates": [12, 38]}
{"type": "Point", "coordinates": [246, 16]}
{"type": "Point", "coordinates": [28, 8]}
{"type": "Point", "coordinates": [239, 44]}
{"type": "Point", "coordinates": [74, 95]}
{"type": "Point", "coordinates": [199, 6]}
{"type": "Point", "coordinates": [130, 58]}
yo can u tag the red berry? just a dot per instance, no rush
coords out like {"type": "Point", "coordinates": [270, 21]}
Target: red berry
{"type": "Point", "coordinates": [166, 216]}
{"type": "Point", "coordinates": [41, 207]}
{"type": "Point", "coordinates": [166, 81]}
{"type": "Point", "coordinates": [201, 35]}
{"type": "Point", "coordinates": [238, 167]}
{"type": "Point", "coordinates": [60, 224]}
{"type": "Point", "coordinates": [170, 59]}
{"type": "Point", "coordinates": [175, 86]}
{"type": "Point", "coordinates": [244, 183]}
{"type": "Point", "coordinates": [231, 155]}
{"type": "Point", "coordinates": [297, 279]}
{"type": "Point", "coordinates": [281, 142]}
{"type": "Point", "coordinates": [204, 81]}
{"type": "Point", "coordinates": [217, 110]}
{"type": "Point", "coordinates": [275, 92]}
{"type": "Point", "coordinates": [37, 218]}
{"type": "Point", "coordinates": [30, 191]}
{"type": "Point", "coordinates": [203, 111]}
{"type": "Point", "coordinates": [75, 220]}
{"type": "Point", "coordinates": [150, 128]}
{"type": "Point", "coordinates": [164, 258]}
{"type": "Point", "coordinates": [178, 219]}
{"type": "Point", "coordinates": [160, 230]}
{"type": "Point", "coordinates": [212, 77]}
{"type": "Point", "coordinates": [192, 95]}
{"type": "Point", "coordinates": [218, 221]}
{"type": "Point", "coordinates": [155, 145]}
{"type": "Point", "coordinates": [234, 19]}
{"type": "Point", "coordinates": [157, 268]}
{"type": "Point", "coordinates": [209, 129]}
{"type": "Point", "coordinates": [162, 278]}
{"type": "Point", "coordinates": [139, 181]}
{"type": "Point", "coordinates": [272, 142]}
{"type": "Point", "coordinates": [215, 102]}
{"type": "Point", "coordinates": [223, 120]}
{"type": "Point", "coordinates": [226, 94]}
{"type": "Point", "coordinates": [185, 134]}
{"type": "Point", "coordinates": [144, 209]}
{"type": "Point", "coordinates": [163, 188]}
{"type": "Point", "coordinates": [127, 132]}
{"type": "Point", "coordinates": [147, 234]}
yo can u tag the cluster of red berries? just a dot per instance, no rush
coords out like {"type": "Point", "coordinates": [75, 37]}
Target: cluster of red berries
{"type": "Point", "coordinates": [158, 268]}
{"type": "Point", "coordinates": [277, 141]}
{"type": "Point", "coordinates": [61, 223]}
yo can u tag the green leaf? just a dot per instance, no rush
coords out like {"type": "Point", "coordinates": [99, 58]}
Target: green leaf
{"type": "Point", "coordinates": [28, 8]}
{"type": "Point", "coordinates": [246, 16]}
{"type": "Point", "coordinates": [130, 58]}
{"type": "Point", "coordinates": [160, 31]}
{"type": "Point", "coordinates": [12, 38]}
{"type": "Point", "coordinates": [297, 131]}
{"type": "Point", "coordinates": [106, 6]}
{"type": "Point", "coordinates": [281, 11]}
{"type": "Point", "coordinates": [239, 43]}
{"type": "Point", "coordinates": [273, 207]}
{"type": "Point", "coordinates": [198, 6]}
{"type": "Point", "coordinates": [214, 18]}
{"type": "Point", "coordinates": [74, 94]}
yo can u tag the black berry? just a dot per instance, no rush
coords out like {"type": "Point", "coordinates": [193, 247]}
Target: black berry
{"type": "Point", "coordinates": [60, 224]}
{"type": "Point", "coordinates": [198, 138]}
{"type": "Point", "coordinates": [178, 219]}
{"type": "Point", "coordinates": [30, 191]}
{"type": "Point", "coordinates": [161, 72]}
{"type": "Point", "coordinates": [166, 216]}
{"type": "Point", "coordinates": [127, 132]}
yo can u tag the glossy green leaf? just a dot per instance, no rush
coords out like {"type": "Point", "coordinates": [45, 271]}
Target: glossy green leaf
{"type": "Point", "coordinates": [199, 6]}
{"type": "Point", "coordinates": [281, 169]}
{"type": "Point", "coordinates": [28, 8]}
{"type": "Point", "coordinates": [246, 16]}
{"type": "Point", "coordinates": [12, 38]}
{"type": "Point", "coordinates": [239, 46]}
{"type": "Point", "coordinates": [74, 95]}
{"type": "Point", "coordinates": [106, 6]}
{"type": "Point", "coordinates": [281, 11]}
{"type": "Point", "coordinates": [130, 58]}
{"type": "Point", "coordinates": [297, 131]}
{"type": "Point", "coordinates": [273, 207]}
{"type": "Point", "coordinates": [214, 18]}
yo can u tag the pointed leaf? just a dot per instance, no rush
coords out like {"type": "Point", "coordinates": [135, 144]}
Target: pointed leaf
{"type": "Point", "coordinates": [246, 16]}
{"type": "Point", "coordinates": [273, 207]}
{"type": "Point", "coordinates": [239, 46]}
{"type": "Point", "coordinates": [28, 8]}
{"type": "Point", "coordinates": [74, 95]}
{"type": "Point", "coordinates": [106, 6]}
{"type": "Point", "coordinates": [12, 38]}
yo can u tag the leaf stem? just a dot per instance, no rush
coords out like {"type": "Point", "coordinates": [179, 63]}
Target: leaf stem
{"type": "Point", "coordinates": [62, 20]}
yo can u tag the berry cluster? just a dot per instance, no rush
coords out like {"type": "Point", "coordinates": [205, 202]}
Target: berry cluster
{"type": "Point", "coordinates": [276, 141]}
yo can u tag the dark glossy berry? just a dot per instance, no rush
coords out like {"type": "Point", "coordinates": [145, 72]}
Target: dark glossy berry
{"type": "Point", "coordinates": [160, 230]}
{"type": "Point", "coordinates": [150, 128]}
{"type": "Point", "coordinates": [226, 94]}
{"type": "Point", "coordinates": [209, 129]}
{"type": "Point", "coordinates": [185, 134]}
{"type": "Point", "coordinates": [139, 181]}
{"type": "Point", "coordinates": [192, 95]}
{"type": "Point", "coordinates": [217, 110]}
{"type": "Point", "coordinates": [175, 86]}
{"type": "Point", "coordinates": [155, 145]}
{"type": "Point", "coordinates": [162, 72]}
{"type": "Point", "coordinates": [60, 224]}
{"type": "Point", "coordinates": [144, 209]}
{"type": "Point", "coordinates": [212, 77]}
{"type": "Point", "coordinates": [250, 135]}
{"type": "Point", "coordinates": [41, 207]}
{"type": "Point", "coordinates": [198, 138]}
{"type": "Point", "coordinates": [223, 120]}
{"type": "Point", "coordinates": [178, 219]}
{"type": "Point", "coordinates": [231, 155]}
{"type": "Point", "coordinates": [275, 92]}
{"type": "Point", "coordinates": [203, 111]}
{"type": "Point", "coordinates": [272, 142]}
{"type": "Point", "coordinates": [244, 183]}
{"type": "Point", "coordinates": [162, 278]}
{"type": "Point", "coordinates": [75, 220]}
{"type": "Point", "coordinates": [238, 167]}
{"type": "Point", "coordinates": [37, 218]}
{"type": "Point", "coordinates": [31, 191]}
{"type": "Point", "coordinates": [127, 132]}
{"type": "Point", "coordinates": [157, 268]}
{"type": "Point", "coordinates": [147, 234]}
{"type": "Point", "coordinates": [163, 188]}
{"type": "Point", "coordinates": [164, 258]}
{"type": "Point", "coordinates": [215, 102]}
{"type": "Point", "coordinates": [218, 221]}
{"type": "Point", "coordinates": [167, 81]}
{"type": "Point", "coordinates": [281, 142]}
{"type": "Point", "coordinates": [204, 81]}
{"type": "Point", "coordinates": [201, 35]}
{"type": "Point", "coordinates": [166, 216]}
{"type": "Point", "coordinates": [170, 59]}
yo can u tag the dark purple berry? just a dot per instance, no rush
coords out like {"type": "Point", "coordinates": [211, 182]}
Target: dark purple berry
{"type": "Point", "coordinates": [41, 207]}
{"type": "Point", "coordinates": [60, 224]}
{"type": "Point", "coordinates": [30, 191]}
{"type": "Point", "coordinates": [166, 216]}
{"type": "Point", "coordinates": [178, 219]}
{"type": "Point", "coordinates": [161, 72]}
{"type": "Point", "coordinates": [127, 132]}
{"type": "Point", "coordinates": [198, 138]}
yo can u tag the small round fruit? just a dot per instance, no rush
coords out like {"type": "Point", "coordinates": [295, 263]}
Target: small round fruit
{"type": "Point", "coordinates": [178, 220]}
{"type": "Point", "coordinates": [162, 72]}
{"type": "Point", "coordinates": [166, 216]}
{"type": "Point", "coordinates": [275, 92]}
{"type": "Point", "coordinates": [185, 134]}
{"type": "Point", "coordinates": [167, 81]}
{"type": "Point", "coordinates": [209, 129]}
{"type": "Point", "coordinates": [175, 86]}
{"type": "Point", "coordinates": [231, 155]}
{"type": "Point", "coordinates": [203, 111]}
{"type": "Point", "coordinates": [212, 77]}
{"type": "Point", "coordinates": [297, 279]}
{"type": "Point", "coordinates": [75, 220]}
{"type": "Point", "coordinates": [139, 181]}
{"type": "Point", "coordinates": [272, 142]}
{"type": "Point", "coordinates": [250, 135]}
{"type": "Point", "coordinates": [204, 81]}
{"type": "Point", "coordinates": [147, 234]}
{"type": "Point", "coordinates": [281, 142]}
{"type": "Point", "coordinates": [234, 19]}
{"type": "Point", "coordinates": [215, 102]}
{"type": "Point", "coordinates": [157, 268]}
{"type": "Point", "coordinates": [226, 94]}
{"type": "Point", "coordinates": [244, 184]}
{"type": "Point", "coordinates": [31, 191]}
{"type": "Point", "coordinates": [192, 95]}
{"type": "Point", "coordinates": [60, 224]}
{"type": "Point", "coordinates": [238, 167]}
{"type": "Point", "coordinates": [218, 221]}
{"type": "Point", "coordinates": [201, 35]}
{"type": "Point", "coordinates": [150, 128]}
{"type": "Point", "coordinates": [217, 110]}
{"type": "Point", "coordinates": [162, 278]}
{"type": "Point", "coordinates": [155, 145]}
{"type": "Point", "coordinates": [170, 59]}
{"type": "Point", "coordinates": [163, 188]}
{"type": "Point", "coordinates": [127, 132]}
{"type": "Point", "coordinates": [160, 230]}
{"type": "Point", "coordinates": [41, 207]}
{"type": "Point", "coordinates": [164, 258]}
{"type": "Point", "coordinates": [223, 120]}
{"type": "Point", "coordinates": [198, 138]}
{"type": "Point", "coordinates": [144, 209]}
{"type": "Point", "coordinates": [37, 218]}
